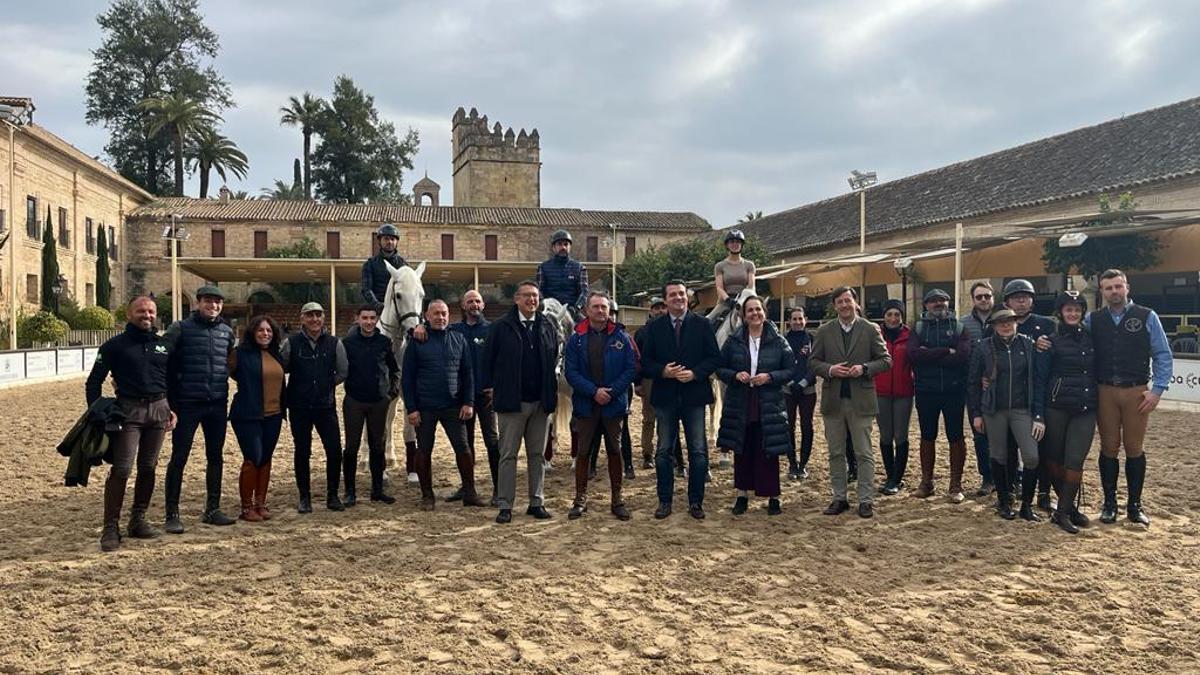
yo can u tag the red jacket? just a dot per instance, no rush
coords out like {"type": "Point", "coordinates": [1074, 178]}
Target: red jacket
{"type": "Point", "coordinates": [897, 382]}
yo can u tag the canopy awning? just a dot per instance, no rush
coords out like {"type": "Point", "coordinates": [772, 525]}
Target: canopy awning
{"type": "Point", "coordinates": [285, 270]}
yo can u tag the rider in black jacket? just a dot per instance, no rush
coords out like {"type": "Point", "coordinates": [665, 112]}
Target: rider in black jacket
{"type": "Point", "coordinates": [1071, 389]}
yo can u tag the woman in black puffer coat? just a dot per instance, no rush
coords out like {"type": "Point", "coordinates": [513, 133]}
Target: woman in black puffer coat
{"type": "Point", "coordinates": [1071, 401]}
{"type": "Point", "coordinates": [756, 364]}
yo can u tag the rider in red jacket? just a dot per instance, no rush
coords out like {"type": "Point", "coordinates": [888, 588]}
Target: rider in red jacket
{"type": "Point", "coordinates": [894, 387]}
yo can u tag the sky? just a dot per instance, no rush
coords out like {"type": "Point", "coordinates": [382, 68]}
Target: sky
{"type": "Point", "coordinates": [710, 106]}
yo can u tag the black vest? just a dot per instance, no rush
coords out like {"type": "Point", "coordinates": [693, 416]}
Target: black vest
{"type": "Point", "coordinates": [201, 360]}
{"type": "Point", "coordinates": [1122, 350]}
{"type": "Point", "coordinates": [312, 373]}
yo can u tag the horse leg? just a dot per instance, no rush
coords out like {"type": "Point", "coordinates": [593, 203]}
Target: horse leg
{"type": "Point", "coordinates": [389, 442]}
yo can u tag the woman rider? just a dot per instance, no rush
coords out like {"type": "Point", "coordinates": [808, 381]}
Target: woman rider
{"type": "Point", "coordinates": [732, 275]}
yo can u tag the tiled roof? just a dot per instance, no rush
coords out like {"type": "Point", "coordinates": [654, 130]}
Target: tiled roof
{"type": "Point", "coordinates": [244, 210]}
{"type": "Point", "coordinates": [1150, 146]}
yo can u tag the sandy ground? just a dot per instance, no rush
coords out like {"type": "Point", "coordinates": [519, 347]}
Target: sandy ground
{"type": "Point", "coordinates": [926, 586]}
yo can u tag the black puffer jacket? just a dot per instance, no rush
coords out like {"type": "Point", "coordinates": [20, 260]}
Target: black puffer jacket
{"type": "Point", "coordinates": [774, 358]}
{"type": "Point", "coordinates": [1069, 381]}
{"type": "Point", "coordinates": [437, 373]}
{"type": "Point", "coordinates": [198, 370]}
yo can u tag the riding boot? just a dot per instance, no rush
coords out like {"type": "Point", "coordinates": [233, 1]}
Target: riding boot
{"type": "Point", "coordinates": [1028, 488]}
{"type": "Point", "coordinates": [1046, 478]}
{"type": "Point", "coordinates": [1003, 491]}
{"type": "Point", "coordinates": [928, 451]}
{"type": "Point", "coordinates": [888, 453]}
{"type": "Point", "coordinates": [1135, 478]}
{"type": "Point", "coordinates": [1110, 469]}
{"type": "Point", "coordinates": [617, 507]}
{"type": "Point", "coordinates": [466, 472]}
{"type": "Point", "coordinates": [901, 464]}
{"type": "Point", "coordinates": [247, 484]}
{"type": "Point", "coordinates": [260, 491]}
{"type": "Point", "coordinates": [114, 496]}
{"type": "Point", "coordinates": [958, 460]}
{"type": "Point", "coordinates": [1063, 515]}
{"type": "Point", "coordinates": [424, 467]}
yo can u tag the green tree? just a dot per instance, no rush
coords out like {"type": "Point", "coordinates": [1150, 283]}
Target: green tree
{"type": "Point", "coordinates": [150, 48]}
{"type": "Point", "coordinates": [306, 112]}
{"type": "Point", "coordinates": [689, 260]}
{"type": "Point", "coordinates": [301, 291]}
{"type": "Point", "coordinates": [298, 175]}
{"type": "Point", "coordinates": [49, 266]}
{"type": "Point", "coordinates": [213, 152]}
{"type": "Point", "coordinates": [1123, 251]}
{"type": "Point", "coordinates": [360, 158]}
{"type": "Point", "coordinates": [183, 119]}
{"type": "Point", "coordinates": [281, 190]}
{"type": "Point", "coordinates": [750, 215]}
{"type": "Point", "coordinates": [103, 276]}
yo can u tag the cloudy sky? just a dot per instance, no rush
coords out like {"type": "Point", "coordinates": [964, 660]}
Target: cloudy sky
{"type": "Point", "coordinates": [717, 107]}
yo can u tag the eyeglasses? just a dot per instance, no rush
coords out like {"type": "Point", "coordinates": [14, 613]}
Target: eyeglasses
{"type": "Point", "coordinates": [983, 296]}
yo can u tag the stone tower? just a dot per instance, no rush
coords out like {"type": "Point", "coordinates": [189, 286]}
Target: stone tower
{"type": "Point", "coordinates": [494, 167]}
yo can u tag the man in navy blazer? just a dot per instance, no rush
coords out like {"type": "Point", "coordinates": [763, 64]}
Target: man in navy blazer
{"type": "Point", "coordinates": [681, 353]}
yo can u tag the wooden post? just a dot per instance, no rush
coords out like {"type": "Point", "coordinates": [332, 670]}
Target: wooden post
{"type": "Point", "coordinates": [333, 299]}
{"type": "Point", "coordinates": [958, 268]}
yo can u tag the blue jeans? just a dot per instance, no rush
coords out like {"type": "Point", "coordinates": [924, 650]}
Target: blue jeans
{"type": "Point", "coordinates": [257, 438]}
{"type": "Point", "coordinates": [668, 419]}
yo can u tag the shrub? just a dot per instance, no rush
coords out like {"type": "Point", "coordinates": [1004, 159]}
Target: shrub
{"type": "Point", "coordinates": [93, 318]}
{"type": "Point", "coordinates": [40, 327]}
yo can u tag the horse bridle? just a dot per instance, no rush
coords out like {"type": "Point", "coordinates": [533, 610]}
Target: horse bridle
{"type": "Point", "coordinates": [399, 332]}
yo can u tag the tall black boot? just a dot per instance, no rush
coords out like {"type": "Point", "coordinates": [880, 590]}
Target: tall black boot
{"type": "Point", "coordinates": [1046, 477]}
{"type": "Point", "coordinates": [303, 483]}
{"type": "Point", "coordinates": [1135, 478]}
{"type": "Point", "coordinates": [1110, 469]}
{"type": "Point", "coordinates": [1066, 507]}
{"type": "Point", "coordinates": [1028, 488]}
{"type": "Point", "coordinates": [1003, 491]}
{"type": "Point", "coordinates": [888, 453]}
{"type": "Point", "coordinates": [901, 464]}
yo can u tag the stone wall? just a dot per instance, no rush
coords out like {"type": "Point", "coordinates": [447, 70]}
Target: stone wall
{"type": "Point", "coordinates": [58, 180]}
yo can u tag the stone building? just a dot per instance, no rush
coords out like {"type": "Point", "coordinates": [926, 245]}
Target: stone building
{"type": "Point", "coordinates": [496, 216]}
{"type": "Point", "coordinates": [44, 177]}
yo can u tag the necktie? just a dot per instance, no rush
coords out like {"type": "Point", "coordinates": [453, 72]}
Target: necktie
{"type": "Point", "coordinates": [678, 326]}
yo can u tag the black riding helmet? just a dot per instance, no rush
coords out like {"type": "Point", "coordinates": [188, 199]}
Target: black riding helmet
{"type": "Point", "coordinates": [735, 235]}
{"type": "Point", "coordinates": [1070, 298]}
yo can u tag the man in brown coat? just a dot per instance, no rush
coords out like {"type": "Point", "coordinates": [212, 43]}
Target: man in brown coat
{"type": "Point", "coordinates": [848, 353]}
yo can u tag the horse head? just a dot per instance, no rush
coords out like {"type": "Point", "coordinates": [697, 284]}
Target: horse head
{"type": "Point", "coordinates": [403, 300]}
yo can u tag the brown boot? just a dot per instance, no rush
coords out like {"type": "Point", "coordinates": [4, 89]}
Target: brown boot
{"type": "Point", "coordinates": [247, 484]}
{"type": "Point", "coordinates": [928, 457]}
{"type": "Point", "coordinates": [958, 459]}
{"type": "Point", "coordinates": [424, 467]}
{"type": "Point", "coordinates": [466, 472]}
{"type": "Point", "coordinates": [114, 497]}
{"type": "Point", "coordinates": [260, 491]}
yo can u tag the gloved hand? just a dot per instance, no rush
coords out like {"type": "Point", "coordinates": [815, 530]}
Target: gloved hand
{"type": "Point", "coordinates": [1039, 430]}
{"type": "Point", "coordinates": [379, 309]}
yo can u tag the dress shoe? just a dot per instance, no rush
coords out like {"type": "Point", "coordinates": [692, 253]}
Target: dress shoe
{"type": "Point", "coordinates": [472, 499]}
{"type": "Point", "coordinates": [890, 488]}
{"type": "Point", "coordinates": [621, 511]}
{"type": "Point", "coordinates": [1004, 507]}
{"type": "Point", "coordinates": [1063, 520]}
{"type": "Point", "coordinates": [696, 511]}
{"type": "Point", "coordinates": [304, 505]}
{"type": "Point", "coordinates": [1079, 519]}
{"type": "Point", "coordinates": [216, 517]}
{"type": "Point", "coordinates": [538, 512]}
{"type": "Point", "coordinates": [577, 511]}
{"type": "Point", "coordinates": [428, 502]}
{"type": "Point", "coordinates": [173, 523]}
{"type": "Point", "coordinates": [773, 507]}
{"type": "Point", "coordinates": [334, 504]}
{"type": "Point", "coordinates": [739, 505]}
{"type": "Point", "coordinates": [110, 539]}
{"type": "Point", "coordinates": [663, 510]}
{"type": "Point", "coordinates": [836, 507]}
{"type": "Point", "coordinates": [505, 516]}
{"type": "Point", "coordinates": [1027, 513]}
{"type": "Point", "coordinates": [629, 474]}
{"type": "Point", "coordinates": [866, 510]}
{"type": "Point", "coordinates": [381, 497]}
{"type": "Point", "coordinates": [350, 499]}
{"type": "Point", "coordinates": [455, 496]}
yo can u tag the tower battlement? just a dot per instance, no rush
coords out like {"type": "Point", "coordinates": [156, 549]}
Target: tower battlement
{"type": "Point", "coordinates": [494, 166]}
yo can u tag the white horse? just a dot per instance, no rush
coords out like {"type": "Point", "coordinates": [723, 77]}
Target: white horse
{"type": "Point", "coordinates": [733, 321]}
{"type": "Point", "coordinates": [401, 311]}
{"type": "Point", "coordinates": [558, 314]}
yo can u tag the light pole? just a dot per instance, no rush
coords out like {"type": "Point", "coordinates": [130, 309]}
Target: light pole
{"type": "Point", "coordinates": [613, 227]}
{"type": "Point", "coordinates": [903, 265]}
{"type": "Point", "coordinates": [59, 285]}
{"type": "Point", "coordinates": [174, 234]}
{"type": "Point", "coordinates": [859, 182]}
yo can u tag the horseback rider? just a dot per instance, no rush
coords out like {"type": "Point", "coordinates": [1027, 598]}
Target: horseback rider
{"type": "Point", "coordinates": [562, 277]}
{"type": "Point", "coordinates": [732, 275]}
{"type": "Point", "coordinates": [375, 276]}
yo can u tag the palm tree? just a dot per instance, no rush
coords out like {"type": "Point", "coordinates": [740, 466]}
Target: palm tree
{"type": "Point", "coordinates": [281, 190]}
{"type": "Point", "coordinates": [182, 117]}
{"type": "Point", "coordinates": [214, 152]}
{"type": "Point", "coordinates": [750, 215]}
{"type": "Point", "coordinates": [305, 112]}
